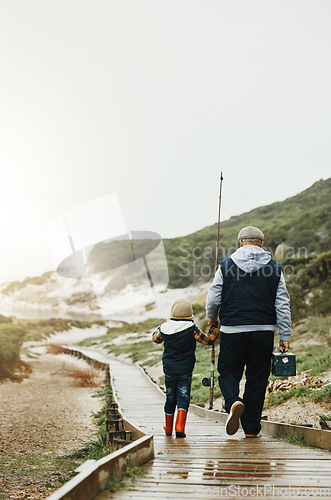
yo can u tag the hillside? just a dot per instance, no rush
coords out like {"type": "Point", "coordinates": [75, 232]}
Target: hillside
{"type": "Point", "coordinates": [302, 223]}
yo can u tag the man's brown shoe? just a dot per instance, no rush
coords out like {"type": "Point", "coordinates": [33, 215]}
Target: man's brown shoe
{"type": "Point", "coordinates": [232, 423]}
{"type": "Point", "coordinates": [251, 435]}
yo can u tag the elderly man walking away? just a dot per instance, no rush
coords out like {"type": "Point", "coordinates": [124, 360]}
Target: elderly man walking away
{"type": "Point", "coordinates": [250, 296]}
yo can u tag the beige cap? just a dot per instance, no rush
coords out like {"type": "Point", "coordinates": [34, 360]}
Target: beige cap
{"type": "Point", "coordinates": [182, 309]}
{"type": "Point", "coordinates": [250, 233]}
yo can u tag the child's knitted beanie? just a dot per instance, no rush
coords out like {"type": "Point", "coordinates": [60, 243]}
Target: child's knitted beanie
{"type": "Point", "coordinates": [182, 309]}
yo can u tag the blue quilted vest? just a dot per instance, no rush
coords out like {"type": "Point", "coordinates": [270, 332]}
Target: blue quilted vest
{"type": "Point", "coordinates": [249, 298]}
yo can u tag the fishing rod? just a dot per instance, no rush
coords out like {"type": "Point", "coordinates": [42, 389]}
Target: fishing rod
{"type": "Point", "coordinates": [206, 381]}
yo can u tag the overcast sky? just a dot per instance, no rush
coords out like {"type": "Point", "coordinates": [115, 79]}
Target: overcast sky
{"type": "Point", "coordinates": [150, 100]}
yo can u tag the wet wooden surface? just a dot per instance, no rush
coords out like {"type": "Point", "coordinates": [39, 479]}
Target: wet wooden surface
{"type": "Point", "coordinates": [208, 463]}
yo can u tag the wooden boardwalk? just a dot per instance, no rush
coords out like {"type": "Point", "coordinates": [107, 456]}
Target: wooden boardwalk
{"type": "Point", "coordinates": [208, 463]}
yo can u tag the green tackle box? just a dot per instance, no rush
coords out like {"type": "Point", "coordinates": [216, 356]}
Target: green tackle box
{"type": "Point", "coordinates": [283, 364]}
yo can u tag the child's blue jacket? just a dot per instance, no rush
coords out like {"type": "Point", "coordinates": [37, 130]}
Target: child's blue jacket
{"type": "Point", "coordinates": [179, 337]}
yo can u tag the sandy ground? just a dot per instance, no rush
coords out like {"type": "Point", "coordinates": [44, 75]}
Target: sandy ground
{"type": "Point", "coordinates": [53, 300]}
{"type": "Point", "coordinates": [161, 304]}
{"type": "Point", "coordinates": [45, 414]}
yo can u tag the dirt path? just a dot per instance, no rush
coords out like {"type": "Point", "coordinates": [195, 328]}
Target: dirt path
{"type": "Point", "coordinates": [45, 415]}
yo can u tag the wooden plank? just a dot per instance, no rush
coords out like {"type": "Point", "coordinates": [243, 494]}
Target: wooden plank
{"type": "Point", "coordinates": [200, 495]}
{"type": "Point", "coordinates": [253, 466]}
{"type": "Point", "coordinates": [241, 481]}
{"type": "Point", "coordinates": [146, 490]}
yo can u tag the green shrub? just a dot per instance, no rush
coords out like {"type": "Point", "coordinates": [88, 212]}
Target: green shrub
{"type": "Point", "coordinates": [197, 309]}
{"type": "Point", "coordinates": [322, 395]}
{"type": "Point", "coordinates": [298, 305]}
{"type": "Point", "coordinates": [317, 360]}
{"type": "Point", "coordinates": [11, 338]}
{"type": "Point", "coordinates": [5, 319]}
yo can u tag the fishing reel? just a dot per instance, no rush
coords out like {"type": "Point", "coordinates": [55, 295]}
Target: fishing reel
{"type": "Point", "coordinates": [206, 381]}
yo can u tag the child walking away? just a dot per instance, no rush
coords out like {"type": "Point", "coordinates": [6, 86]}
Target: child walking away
{"type": "Point", "coordinates": [179, 335]}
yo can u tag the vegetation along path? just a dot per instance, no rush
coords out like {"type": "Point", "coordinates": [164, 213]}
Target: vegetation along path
{"type": "Point", "coordinates": [208, 463]}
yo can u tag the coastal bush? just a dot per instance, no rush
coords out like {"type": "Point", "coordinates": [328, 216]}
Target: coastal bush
{"type": "Point", "coordinates": [11, 338]}
{"type": "Point", "coordinates": [316, 360]}
{"type": "Point", "coordinates": [5, 319]}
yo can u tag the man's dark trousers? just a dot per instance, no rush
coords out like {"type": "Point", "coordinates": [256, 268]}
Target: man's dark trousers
{"type": "Point", "coordinates": [253, 350]}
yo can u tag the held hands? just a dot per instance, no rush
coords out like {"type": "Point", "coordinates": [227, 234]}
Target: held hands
{"type": "Point", "coordinates": [213, 329]}
{"type": "Point", "coordinates": [284, 345]}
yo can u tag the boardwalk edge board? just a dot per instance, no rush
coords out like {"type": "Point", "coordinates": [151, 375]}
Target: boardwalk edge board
{"type": "Point", "coordinates": [93, 475]}
{"type": "Point", "coordinates": [314, 437]}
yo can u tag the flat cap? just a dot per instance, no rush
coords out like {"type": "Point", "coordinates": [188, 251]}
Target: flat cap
{"type": "Point", "coordinates": [250, 233]}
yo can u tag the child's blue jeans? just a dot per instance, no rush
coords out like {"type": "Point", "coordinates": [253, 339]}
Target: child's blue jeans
{"type": "Point", "coordinates": [178, 392]}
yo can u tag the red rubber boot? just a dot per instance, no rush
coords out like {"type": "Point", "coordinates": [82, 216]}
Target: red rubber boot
{"type": "Point", "coordinates": [180, 424]}
{"type": "Point", "coordinates": [169, 422]}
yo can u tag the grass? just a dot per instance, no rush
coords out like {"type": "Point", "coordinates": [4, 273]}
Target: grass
{"type": "Point", "coordinates": [103, 392]}
{"type": "Point", "coordinates": [45, 469]}
{"type": "Point", "coordinates": [155, 360]}
{"type": "Point", "coordinates": [199, 393]}
{"type": "Point", "coordinates": [311, 343]}
{"type": "Point", "coordinates": [130, 472]}
{"type": "Point", "coordinates": [322, 395]}
{"type": "Point", "coordinates": [315, 357]}
{"type": "Point", "coordinates": [316, 360]}
{"type": "Point", "coordinates": [298, 439]}
{"type": "Point", "coordinates": [312, 326]}
{"type": "Point", "coordinates": [137, 351]}
{"type": "Point", "coordinates": [96, 448]}
{"type": "Point", "coordinates": [93, 449]}
{"type": "Point", "coordinates": [36, 329]}
{"type": "Point", "coordinates": [29, 354]}
{"type": "Point", "coordinates": [141, 327]}
{"type": "Point", "coordinates": [125, 328]}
